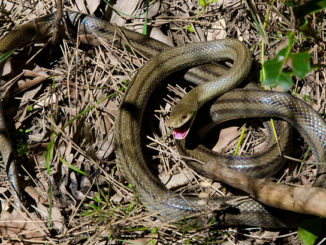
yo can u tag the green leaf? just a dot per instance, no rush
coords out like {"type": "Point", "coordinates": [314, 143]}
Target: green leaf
{"type": "Point", "coordinates": [305, 27]}
{"type": "Point", "coordinates": [272, 69]}
{"type": "Point", "coordinates": [202, 3]}
{"type": "Point", "coordinates": [146, 19]}
{"type": "Point", "coordinates": [285, 80]}
{"type": "Point", "coordinates": [6, 55]}
{"type": "Point", "coordinates": [281, 55]}
{"type": "Point", "coordinates": [301, 64]}
{"type": "Point", "coordinates": [71, 166]}
{"type": "Point", "coordinates": [190, 28]}
{"type": "Point", "coordinates": [309, 230]}
{"type": "Point", "coordinates": [273, 72]}
{"type": "Point", "coordinates": [274, 75]}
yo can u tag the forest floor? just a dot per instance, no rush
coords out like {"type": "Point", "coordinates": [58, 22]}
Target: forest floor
{"type": "Point", "coordinates": [62, 125]}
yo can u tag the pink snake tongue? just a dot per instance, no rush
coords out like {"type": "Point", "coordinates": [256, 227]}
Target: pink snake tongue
{"type": "Point", "coordinates": [180, 133]}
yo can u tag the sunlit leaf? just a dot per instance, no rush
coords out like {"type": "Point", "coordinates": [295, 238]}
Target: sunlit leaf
{"type": "Point", "coordinates": [301, 64]}
{"type": "Point", "coordinates": [310, 230]}
{"type": "Point", "coordinates": [202, 3]}
{"type": "Point", "coordinates": [190, 28]}
{"type": "Point", "coordinates": [275, 76]}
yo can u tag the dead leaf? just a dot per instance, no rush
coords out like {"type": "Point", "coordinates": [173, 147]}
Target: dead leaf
{"type": "Point", "coordinates": [88, 5]}
{"type": "Point", "coordinates": [127, 8]}
{"type": "Point", "coordinates": [176, 180]}
{"type": "Point", "coordinates": [106, 147]}
{"type": "Point", "coordinates": [157, 34]}
{"type": "Point", "coordinates": [7, 68]}
{"type": "Point", "coordinates": [14, 225]}
{"type": "Point", "coordinates": [226, 136]}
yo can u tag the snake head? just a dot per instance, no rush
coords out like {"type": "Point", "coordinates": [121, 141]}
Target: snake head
{"type": "Point", "coordinates": [181, 118]}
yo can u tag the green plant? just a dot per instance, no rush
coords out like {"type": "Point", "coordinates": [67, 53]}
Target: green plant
{"type": "Point", "coordinates": [6, 55]}
{"type": "Point", "coordinates": [280, 70]}
{"type": "Point", "coordinates": [273, 74]}
{"type": "Point", "coordinates": [273, 70]}
{"type": "Point", "coordinates": [310, 230]}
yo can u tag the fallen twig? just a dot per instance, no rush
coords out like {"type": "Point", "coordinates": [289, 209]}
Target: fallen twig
{"type": "Point", "coordinates": [305, 200]}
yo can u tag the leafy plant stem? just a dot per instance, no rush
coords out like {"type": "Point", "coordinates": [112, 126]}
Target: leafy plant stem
{"type": "Point", "coordinates": [239, 141]}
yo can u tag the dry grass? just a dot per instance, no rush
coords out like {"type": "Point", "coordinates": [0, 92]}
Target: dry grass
{"type": "Point", "coordinates": [99, 207]}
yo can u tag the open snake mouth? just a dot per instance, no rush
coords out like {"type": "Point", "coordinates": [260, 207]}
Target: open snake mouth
{"type": "Point", "coordinates": [182, 132]}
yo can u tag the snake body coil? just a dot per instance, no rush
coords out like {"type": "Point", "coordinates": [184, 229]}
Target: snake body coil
{"type": "Point", "coordinates": [168, 205]}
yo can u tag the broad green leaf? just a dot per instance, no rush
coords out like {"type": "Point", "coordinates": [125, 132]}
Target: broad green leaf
{"type": "Point", "coordinates": [281, 55]}
{"type": "Point", "coordinates": [301, 64]}
{"type": "Point", "coordinates": [273, 69]}
{"type": "Point", "coordinates": [285, 80]}
{"type": "Point", "coordinates": [306, 237]}
{"type": "Point", "coordinates": [202, 3]}
{"type": "Point", "coordinates": [274, 75]}
{"type": "Point", "coordinates": [310, 230]}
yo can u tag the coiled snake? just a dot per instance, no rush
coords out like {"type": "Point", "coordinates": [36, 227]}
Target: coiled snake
{"type": "Point", "coordinates": [166, 204]}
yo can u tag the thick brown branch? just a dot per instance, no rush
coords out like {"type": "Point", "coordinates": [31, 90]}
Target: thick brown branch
{"type": "Point", "coordinates": [305, 200]}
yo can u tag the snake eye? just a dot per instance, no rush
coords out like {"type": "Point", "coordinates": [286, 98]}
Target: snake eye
{"type": "Point", "coordinates": [184, 116]}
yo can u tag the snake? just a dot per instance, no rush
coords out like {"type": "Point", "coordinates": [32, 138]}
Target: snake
{"type": "Point", "coordinates": [164, 60]}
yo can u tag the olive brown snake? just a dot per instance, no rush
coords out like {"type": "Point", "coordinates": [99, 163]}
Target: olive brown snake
{"type": "Point", "coordinates": [166, 204]}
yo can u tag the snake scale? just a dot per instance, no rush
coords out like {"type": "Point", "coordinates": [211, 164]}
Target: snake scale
{"type": "Point", "coordinates": [167, 205]}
